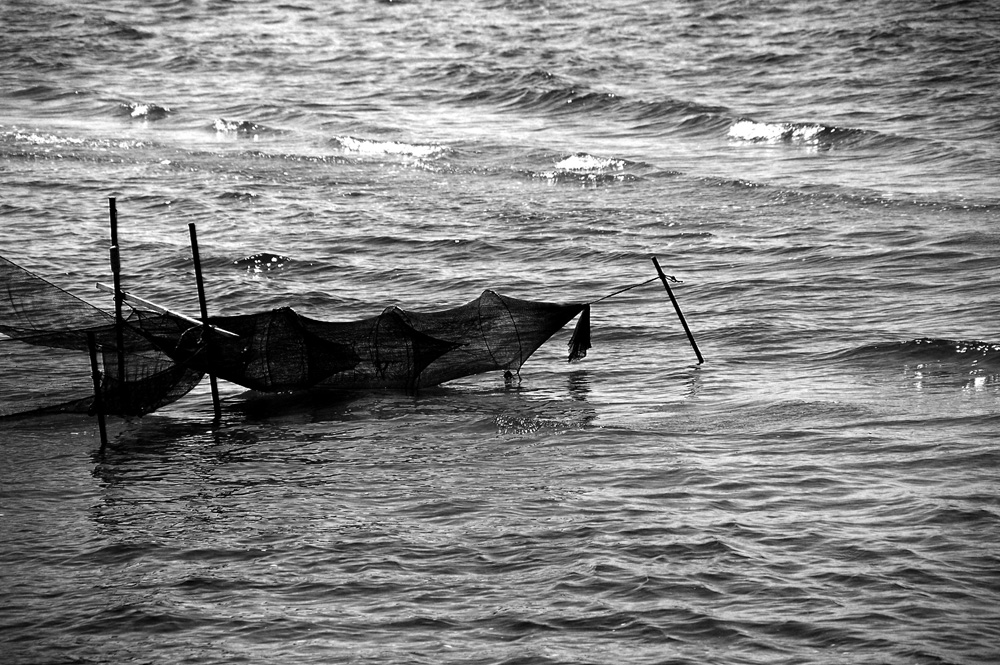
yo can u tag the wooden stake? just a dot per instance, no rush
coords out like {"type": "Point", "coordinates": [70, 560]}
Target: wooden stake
{"type": "Point", "coordinates": [114, 220]}
{"type": "Point", "coordinates": [116, 271]}
{"type": "Point", "coordinates": [680, 314]}
{"type": "Point", "coordinates": [98, 396]}
{"type": "Point", "coordinates": [204, 314]}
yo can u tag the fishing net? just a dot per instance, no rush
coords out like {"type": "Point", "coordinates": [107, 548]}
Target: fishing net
{"type": "Point", "coordinates": [154, 357]}
{"type": "Point", "coordinates": [282, 350]}
{"type": "Point", "coordinates": [45, 326]}
{"type": "Point", "coordinates": [495, 332]}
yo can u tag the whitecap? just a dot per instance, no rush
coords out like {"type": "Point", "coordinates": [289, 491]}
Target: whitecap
{"type": "Point", "coordinates": [582, 161]}
{"type": "Point", "coordinates": [762, 132]}
{"type": "Point", "coordinates": [224, 126]}
{"type": "Point", "coordinates": [145, 111]}
{"type": "Point", "coordinates": [393, 148]}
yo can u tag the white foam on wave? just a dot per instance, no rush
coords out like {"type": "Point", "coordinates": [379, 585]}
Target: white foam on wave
{"type": "Point", "coordinates": [582, 161]}
{"type": "Point", "coordinates": [223, 125]}
{"type": "Point", "coordinates": [392, 148]}
{"type": "Point", "coordinates": [146, 111]}
{"type": "Point", "coordinates": [34, 137]}
{"type": "Point", "coordinates": [237, 128]}
{"type": "Point", "coordinates": [771, 132]}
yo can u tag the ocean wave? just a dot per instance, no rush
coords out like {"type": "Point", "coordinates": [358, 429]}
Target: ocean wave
{"type": "Point", "coordinates": [670, 114]}
{"type": "Point", "coordinates": [929, 351]}
{"type": "Point", "coordinates": [542, 92]}
{"type": "Point", "coordinates": [372, 147]}
{"type": "Point", "coordinates": [238, 127]}
{"type": "Point", "coordinates": [47, 93]}
{"type": "Point", "coordinates": [238, 196]}
{"type": "Point", "coordinates": [812, 134]}
{"type": "Point", "coordinates": [592, 179]}
{"type": "Point", "coordinates": [47, 144]}
{"type": "Point", "coordinates": [263, 262]}
{"type": "Point", "coordinates": [584, 162]}
{"type": "Point", "coordinates": [40, 138]}
{"type": "Point", "coordinates": [144, 111]}
{"type": "Point", "coordinates": [104, 28]}
{"type": "Point", "coordinates": [586, 169]}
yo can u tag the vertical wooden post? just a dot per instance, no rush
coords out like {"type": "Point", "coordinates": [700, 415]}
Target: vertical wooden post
{"type": "Point", "coordinates": [680, 314]}
{"type": "Point", "coordinates": [116, 272]}
{"type": "Point", "coordinates": [204, 315]}
{"type": "Point", "coordinates": [98, 396]}
{"type": "Point", "coordinates": [114, 220]}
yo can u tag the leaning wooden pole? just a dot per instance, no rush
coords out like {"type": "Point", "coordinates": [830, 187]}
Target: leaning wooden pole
{"type": "Point", "coordinates": [204, 314]}
{"type": "Point", "coordinates": [98, 393]}
{"type": "Point", "coordinates": [116, 272]}
{"type": "Point", "coordinates": [680, 314]}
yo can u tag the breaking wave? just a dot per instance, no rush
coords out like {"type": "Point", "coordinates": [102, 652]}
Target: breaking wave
{"type": "Point", "coordinates": [143, 111]}
{"type": "Point", "coordinates": [586, 169]}
{"type": "Point", "coordinates": [791, 132]}
{"type": "Point", "coordinates": [581, 161]}
{"type": "Point", "coordinates": [542, 92]}
{"type": "Point", "coordinates": [374, 148]}
{"type": "Point", "coordinates": [238, 127]}
{"type": "Point", "coordinates": [40, 144]}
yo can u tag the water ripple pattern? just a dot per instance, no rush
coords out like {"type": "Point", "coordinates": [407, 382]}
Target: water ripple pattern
{"type": "Point", "coordinates": [822, 179]}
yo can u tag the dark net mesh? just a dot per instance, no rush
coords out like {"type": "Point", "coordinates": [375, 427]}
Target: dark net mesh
{"type": "Point", "coordinates": [137, 377]}
{"type": "Point", "coordinates": [162, 356]}
{"type": "Point", "coordinates": [151, 379]}
{"type": "Point", "coordinates": [493, 332]}
{"type": "Point", "coordinates": [35, 311]}
{"type": "Point", "coordinates": [390, 353]}
{"type": "Point", "coordinates": [281, 350]}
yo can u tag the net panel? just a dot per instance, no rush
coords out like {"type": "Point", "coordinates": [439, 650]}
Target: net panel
{"type": "Point", "coordinates": [390, 352]}
{"type": "Point", "coordinates": [163, 356]}
{"type": "Point", "coordinates": [493, 332]}
{"type": "Point", "coordinates": [35, 311]}
{"type": "Point", "coordinates": [136, 379]}
{"type": "Point", "coordinates": [274, 352]}
{"type": "Point", "coordinates": [282, 350]}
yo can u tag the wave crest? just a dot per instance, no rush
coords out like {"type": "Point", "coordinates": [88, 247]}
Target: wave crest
{"type": "Point", "coordinates": [238, 127]}
{"type": "Point", "coordinates": [931, 350]}
{"type": "Point", "coordinates": [373, 147]}
{"type": "Point", "coordinates": [790, 132]}
{"type": "Point", "coordinates": [144, 111]}
{"type": "Point", "coordinates": [582, 161]}
{"type": "Point", "coordinates": [263, 262]}
{"type": "Point", "coordinates": [582, 167]}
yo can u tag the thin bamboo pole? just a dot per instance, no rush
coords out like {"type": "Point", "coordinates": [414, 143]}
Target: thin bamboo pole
{"type": "Point", "coordinates": [98, 396]}
{"type": "Point", "coordinates": [204, 314]}
{"type": "Point", "coordinates": [116, 272]}
{"type": "Point", "coordinates": [680, 314]}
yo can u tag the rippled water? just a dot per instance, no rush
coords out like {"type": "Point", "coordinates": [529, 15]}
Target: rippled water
{"type": "Point", "coordinates": [821, 176]}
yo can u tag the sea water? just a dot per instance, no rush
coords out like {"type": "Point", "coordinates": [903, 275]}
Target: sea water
{"type": "Point", "coordinates": [822, 179]}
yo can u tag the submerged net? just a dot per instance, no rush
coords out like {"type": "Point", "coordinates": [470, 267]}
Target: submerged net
{"type": "Point", "coordinates": [162, 356]}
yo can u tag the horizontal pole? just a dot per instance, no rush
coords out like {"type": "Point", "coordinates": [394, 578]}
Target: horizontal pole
{"type": "Point", "coordinates": [134, 300]}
